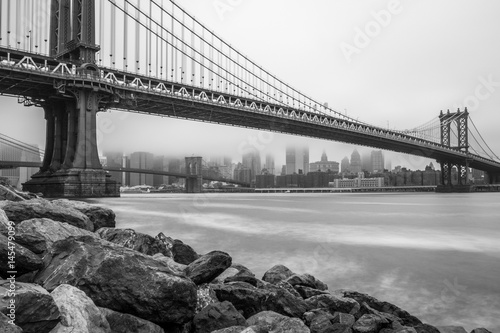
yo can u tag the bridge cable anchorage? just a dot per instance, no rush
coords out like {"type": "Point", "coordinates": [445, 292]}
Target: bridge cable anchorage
{"type": "Point", "coordinates": [239, 83]}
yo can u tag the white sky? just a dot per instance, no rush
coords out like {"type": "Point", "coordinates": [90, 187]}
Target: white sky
{"type": "Point", "coordinates": [424, 57]}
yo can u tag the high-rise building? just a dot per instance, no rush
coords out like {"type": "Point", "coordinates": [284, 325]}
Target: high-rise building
{"type": "Point", "coordinates": [297, 160]}
{"type": "Point", "coordinates": [269, 165]}
{"type": "Point", "coordinates": [141, 160]}
{"type": "Point", "coordinates": [242, 173]}
{"type": "Point", "coordinates": [251, 161]}
{"type": "Point", "coordinates": [377, 161]}
{"type": "Point", "coordinates": [345, 166]}
{"type": "Point", "coordinates": [114, 159]}
{"type": "Point", "coordinates": [324, 165]}
{"type": "Point", "coordinates": [366, 162]}
{"type": "Point", "coordinates": [355, 162]}
{"type": "Point", "coordinates": [18, 176]}
{"type": "Point", "coordinates": [160, 164]}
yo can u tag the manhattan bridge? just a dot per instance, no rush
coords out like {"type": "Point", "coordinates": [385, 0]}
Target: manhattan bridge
{"type": "Point", "coordinates": [75, 58]}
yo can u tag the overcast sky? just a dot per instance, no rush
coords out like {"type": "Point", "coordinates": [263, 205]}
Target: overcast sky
{"type": "Point", "coordinates": [388, 63]}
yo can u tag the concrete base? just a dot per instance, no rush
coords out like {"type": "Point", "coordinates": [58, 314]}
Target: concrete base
{"type": "Point", "coordinates": [74, 183]}
{"type": "Point", "coordinates": [454, 188]}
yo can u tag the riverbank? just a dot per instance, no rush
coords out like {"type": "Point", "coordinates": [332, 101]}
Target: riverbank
{"type": "Point", "coordinates": [211, 289]}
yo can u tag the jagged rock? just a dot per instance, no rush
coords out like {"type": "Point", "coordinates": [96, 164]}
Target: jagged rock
{"type": "Point", "coordinates": [244, 278]}
{"type": "Point", "coordinates": [4, 223]}
{"type": "Point", "coordinates": [167, 242]}
{"type": "Point", "coordinates": [7, 327]}
{"type": "Point", "coordinates": [451, 329]}
{"type": "Point", "coordinates": [125, 323]}
{"type": "Point", "coordinates": [24, 260]}
{"type": "Point", "coordinates": [78, 312]}
{"type": "Point", "coordinates": [333, 303]}
{"type": "Point", "coordinates": [319, 321]}
{"type": "Point", "coordinates": [251, 300]}
{"type": "Point", "coordinates": [120, 279]}
{"type": "Point", "coordinates": [480, 330]}
{"type": "Point", "coordinates": [183, 253]}
{"type": "Point", "coordinates": [216, 316]}
{"type": "Point", "coordinates": [41, 208]}
{"type": "Point", "coordinates": [270, 321]}
{"type": "Point", "coordinates": [406, 318]}
{"type": "Point", "coordinates": [237, 329]}
{"type": "Point", "coordinates": [306, 280]}
{"type": "Point", "coordinates": [343, 318]}
{"type": "Point", "coordinates": [288, 287]}
{"type": "Point", "coordinates": [100, 216]}
{"type": "Point", "coordinates": [208, 266]}
{"type": "Point", "coordinates": [133, 240]}
{"type": "Point", "coordinates": [205, 296]}
{"type": "Point", "coordinates": [39, 234]}
{"type": "Point", "coordinates": [401, 329]}
{"type": "Point", "coordinates": [174, 266]}
{"type": "Point", "coordinates": [8, 194]}
{"type": "Point", "coordinates": [425, 328]}
{"type": "Point", "coordinates": [340, 328]}
{"type": "Point", "coordinates": [277, 273]}
{"type": "Point", "coordinates": [234, 270]}
{"type": "Point", "coordinates": [35, 309]}
{"type": "Point", "coordinates": [306, 292]}
{"type": "Point", "coordinates": [369, 323]}
{"type": "Point", "coordinates": [291, 325]}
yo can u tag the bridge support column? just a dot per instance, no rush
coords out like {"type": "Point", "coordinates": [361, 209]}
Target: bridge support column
{"type": "Point", "coordinates": [71, 166]}
{"type": "Point", "coordinates": [194, 182]}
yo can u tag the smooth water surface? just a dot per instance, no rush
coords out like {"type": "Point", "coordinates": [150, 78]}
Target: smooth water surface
{"type": "Point", "coordinates": [435, 255]}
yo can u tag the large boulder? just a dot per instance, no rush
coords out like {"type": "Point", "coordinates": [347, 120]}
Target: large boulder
{"type": "Point", "coordinates": [319, 321]}
{"type": "Point", "coordinates": [125, 323]}
{"type": "Point", "coordinates": [167, 242]}
{"type": "Point", "coordinates": [78, 312]}
{"type": "Point", "coordinates": [333, 303]}
{"type": "Point", "coordinates": [7, 193]}
{"type": "Point", "coordinates": [406, 318]}
{"type": "Point", "coordinates": [234, 270]}
{"type": "Point", "coordinates": [208, 266]}
{"type": "Point", "coordinates": [39, 208]}
{"type": "Point", "coordinates": [183, 253]}
{"type": "Point", "coordinates": [369, 323]}
{"type": "Point", "coordinates": [100, 216]}
{"type": "Point", "coordinates": [270, 321]}
{"type": "Point", "coordinates": [120, 279]}
{"type": "Point", "coordinates": [39, 234]}
{"type": "Point", "coordinates": [277, 273]}
{"type": "Point", "coordinates": [134, 240]}
{"type": "Point", "coordinates": [306, 292]}
{"type": "Point", "coordinates": [35, 309]}
{"type": "Point", "coordinates": [15, 257]}
{"type": "Point", "coordinates": [216, 316]}
{"type": "Point", "coordinates": [174, 266]}
{"type": "Point", "coordinates": [7, 326]}
{"type": "Point", "coordinates": [306, 280]}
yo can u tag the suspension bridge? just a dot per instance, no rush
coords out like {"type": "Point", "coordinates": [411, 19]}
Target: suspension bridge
{"type": "Point", "coordinates": [75, 58]}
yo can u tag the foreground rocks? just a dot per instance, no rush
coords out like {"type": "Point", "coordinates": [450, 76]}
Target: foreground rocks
{"type": "Point", "coordinates": [134, 240]}
{"type": "Point", "coordinates": [101, 217]}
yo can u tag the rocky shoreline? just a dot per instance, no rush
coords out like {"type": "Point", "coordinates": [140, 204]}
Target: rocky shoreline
{"type": "Point", "coordinates": [76, 272]}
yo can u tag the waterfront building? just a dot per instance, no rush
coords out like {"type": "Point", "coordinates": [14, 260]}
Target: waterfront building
{"type": "Point", "coordinates": [297, 160]}
{"type": "Point", "coordinates": [265, 181]}
{"type": "Point", "coordinates": [324, 165]}
{"type": "Point", "coordinates": [243, 174]}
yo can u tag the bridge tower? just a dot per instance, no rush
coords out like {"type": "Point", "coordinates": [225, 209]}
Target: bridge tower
{"type": "Point", "coordinates": [195, 179]}
{"type": "Point", "coordinates": [71, 166]}
{"type": "Point", "coordinates": [460, 120]}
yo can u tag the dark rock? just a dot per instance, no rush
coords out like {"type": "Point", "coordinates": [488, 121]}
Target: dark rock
{"type": "Point", "coordinates": [366, 309]}
{"type": "Point", "coordinates": [234, 270]}
{"type": "Point", "coordinates": [319, 320]}
{"type": "Point", "coordinates": [480, 330]}
{"type": "Point", "coordinates": [425, 328]}
{"type": "Point", "coordinates": [235, 329]}
{"type": "Point", "coordinates": [133, 240]}
{"type": "Point", "coordinates": [78, 312]}
{"type": "Point", "coordinates": [25, 261]}
{"type": "Point", "coordinates": [369, 323]}
{"type": "Point", "coordinates": [333, 304]}
{"type": "Point", "coordinates": [343, 318]}
{"type": "Point", "coordinates": [125, 323]}
{"type": "Point", "coordinates": [4, 223]}
{"type": "Point", "coordinates": [406, 318]}
{"type": "Point", "coordinates": [291, 325]}
{"type": "Point", "coordinates": [451, 329]}
{"type": "Point", "coordinates": [288, 287]}
{"type": "Point", "coordinates": [205, 296]}
{"type": "Point", "coordinates": [277, 273]}
{"type": "Point", "coordinates": [100, 216]}
{"type": "Point", "coordinates": [243, 278]}
{"type": "Point", "coordinates": [41, 208]}
{"type": "Point", "coordinates": [174, 266]}
{"type": "Point", "coordinates": [208, 266]}
{"type": "Point", "coordinates": [39, 234]}
{"type": "Point", "coordinates": [183, 253]}
{"type": "Point", "coordinates": [7, 193]}
{"type": "Point", "coordinates": [7, 327]}
{"type": "Point", "coordinates": [306, 292]}
{"type": "Point", "coordinates": [306, 280]}
{"type": "Point", "coordinates": [35, 309]}
{"type": "Point", "coordinates": [120, 279]}
{"type": "Point", "coordinates": [281, 301]}
{"type": "Point", "coordinates": [216, 316]}
{"type": "Point", "coordinates": [341, 328]}
{"type": "Point", "coordinates": [167, 242]}
{"type": "Point", "coordinates": [266, 320]}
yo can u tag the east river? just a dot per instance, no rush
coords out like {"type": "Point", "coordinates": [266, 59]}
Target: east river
{"type": "Point", "coordinates": [435, 255]}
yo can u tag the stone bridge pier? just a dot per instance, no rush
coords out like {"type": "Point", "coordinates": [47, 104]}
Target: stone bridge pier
{"type": "Point", "coordinates": [194, 181]}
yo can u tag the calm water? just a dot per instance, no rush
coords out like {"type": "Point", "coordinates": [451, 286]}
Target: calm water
{"type": "Point", "coordinates": [435, 255]}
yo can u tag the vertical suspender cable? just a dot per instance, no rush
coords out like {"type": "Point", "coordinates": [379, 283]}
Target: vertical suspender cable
{"type": "Point", "coordinates": [161, 43]}
{"type": "Point", "coordinates": [8, 23]}
{"type": "Point", "coordinates": [112, 36]}
{"type": "Point", "coordinates": [137, 39]}
{"type": "Point", "coordinates": [174, 44]}
{"type": "Point", "coordinates": [125, 36]}
{"type": "Point", "coordinates": [18, 22]}
{"type": "Point", "coordinates": [149, 44]}
{"type": "Point", "coordinates": [193, 57]}
{"type": "Point", "coordinates": [101, 34]}
{"type": "Point", "coordinates": [1, 13]}
{"type": "Point", "coordinates": [183, 48]}
{"type": "Point", "coordinates": [157, 53]}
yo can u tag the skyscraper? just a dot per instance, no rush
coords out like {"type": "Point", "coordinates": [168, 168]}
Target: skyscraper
{"type": "Point", "coordinates": [355, 162]}
{"type": "Point", "coordinates": [377, 161]}
{"type": "Point", "coordinates": [270, 164]}
{"type": "Point", "coordinates": [141, 160]}
{"type": "Point", "coordinates": [345, 166]}
{"type": "Point", "coordinates": [251, 160]}
{"type": "Point", "coordinates": [297, 160]}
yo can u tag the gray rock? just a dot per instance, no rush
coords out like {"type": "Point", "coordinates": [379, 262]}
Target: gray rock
{"type": "Point", "coordinates": [234, 270]}
{"type": "Point", "coordinates": [170, 263]}
{"type": "Point", "coordinates": [39, 234]}
{"type": "Point", "coordinates": [41, 208]}
{"type": "Point", "coordinates": [167, 242]}
{"type": "Point", "coordinates": [333, 304]}
{"type": "Point", "coordinates": [5, 223]}
{"type": "Point", "coordinates": [120, 279]}
{"type": "Point", "coordinates": [425, 328]}
{"type": "Point", "coordinates": [100, 216]}
{"type": "Point", "coordinates": [236, 329]}
{"type": "Point", "coordinates": [205, 296]}
{"type": "Point", "coordinates": [78, 312]}
{"type": "Point", "coordinates": [306, 292]}
{"type": "Point", "coordinates": [125, 323]}
{"type": "Point", "coordinates": [369, 323]}
{"type": "Point", "coordinates": [35, 309]}
{"type": "Point", "coordinates": [480, 330]}
{"type": "Point", "coordinates": [277, 273]}
{"type": "Point", "coordinates": [183, 253]}
{"type": "Point", "coordinates": [7, 327]}
{"type": "Point", "coordinates": [343, 318]}
{"type": "Point", "coordinates": [291, 325]}
{"type": "Point", "coordinates": [270, 321]}
{"type": "Point", "coordinates": [451, 329]}
{"type": "Point", "coordinates": [208, 266]}
{"type": "Point", "coordinates": [306, 280]}
{"type": "Point", "coordinates": [133, 240]}
{"type": "Point", "coordinates": [217, 316]}
{"type": "Point", "coordinates": [288, 287]}
{"type": "Point", "coordinates": [24, 260]}
{"type": "Point", "coordinates": [6, 193]}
